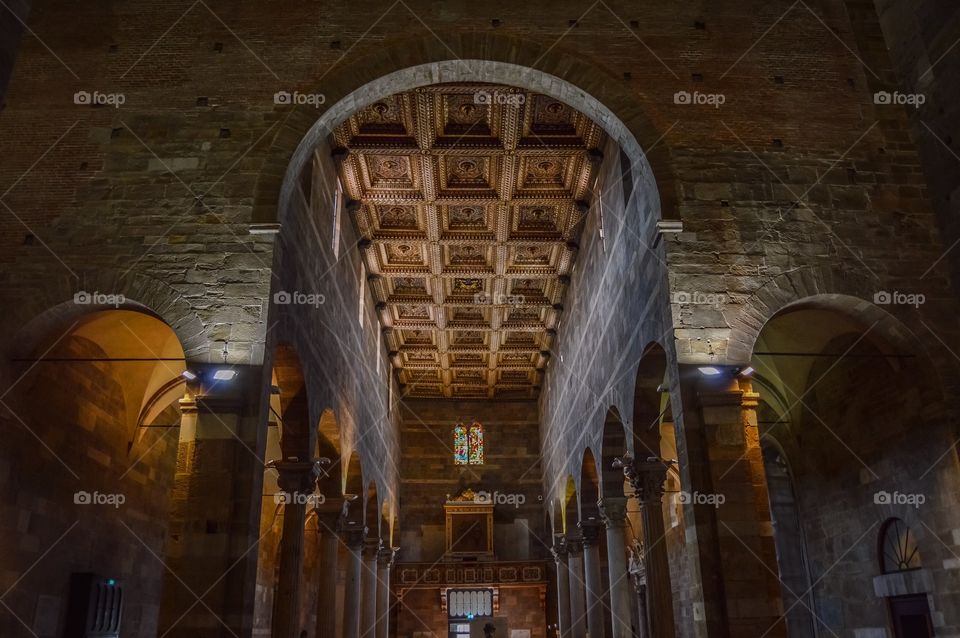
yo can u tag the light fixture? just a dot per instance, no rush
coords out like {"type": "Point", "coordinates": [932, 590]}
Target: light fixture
{"type": "Point", "coordinates": [224, 374]}
{"type": "Point", "coordinates": [746, 372]}
{"type": "Point", "coordinates": [709, 371]}
{"type": "Point", "coordinates": [189, 376]}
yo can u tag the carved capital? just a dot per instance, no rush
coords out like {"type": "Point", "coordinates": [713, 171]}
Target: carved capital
{"type": "Point", "coordinates": [352, 535]}
{"type": "Point", "coordinates": [386, 556]}
{"type": "Point", "coordinates": [371, 548]}
{"type": "Point", "coordinates": [296, 477]}
{"type": "Point", "coordinates": [574, 545]}
{"type": "Point", "coordinates": [646, 477]}
{"type": "Point", "coordinates": [559, 549]}
{"type": "Point", "coordinates": [590, 530]}
{"type": "Point", "coordinates": [613, 511]}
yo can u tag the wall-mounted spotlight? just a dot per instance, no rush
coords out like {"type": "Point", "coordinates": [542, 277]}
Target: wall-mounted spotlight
{"type": "Point", "coordinates": [746, 372]}
{"type": "Point", "coordinates": [189, 376]}
{"type": "Point", "coordinates": [224, 374]}
{"type": "Point", "coordinates": [710, 371]}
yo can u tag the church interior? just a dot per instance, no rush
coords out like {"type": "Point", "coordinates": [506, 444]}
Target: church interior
{"type": "Point", "coordinates": [426, 319]}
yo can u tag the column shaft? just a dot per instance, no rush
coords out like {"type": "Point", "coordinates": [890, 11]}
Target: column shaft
{"type": "Point", "coordinates": [384, 563]}
{"type": "Point", "coordinates": [563, 587]}
{"type": "Point", "coordinates": [368, 579]}
{"type": "Point", "coordinates": [614, 513]}
{"type": "Point", "coordinates": [327, 593]}
{"type": "Point", "coordinates": [578, 609]}
{"type": "Point", "coordinates": [592, 579]}
{"type": "Point", "coordinates": [353, 538]}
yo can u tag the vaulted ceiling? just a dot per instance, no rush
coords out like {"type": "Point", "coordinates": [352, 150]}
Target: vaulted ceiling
{"type": "Point", "coordinates": [470, 200]}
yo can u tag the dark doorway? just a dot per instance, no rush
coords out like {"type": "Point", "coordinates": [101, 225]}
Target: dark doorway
{"type": "Point", "coordinates": [911, 617]}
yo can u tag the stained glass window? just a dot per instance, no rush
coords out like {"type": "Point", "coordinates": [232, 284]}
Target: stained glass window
{"type": "Point", "coordinates": [461, 454]}
{"type": "Point", "coordinates": [476, 444]}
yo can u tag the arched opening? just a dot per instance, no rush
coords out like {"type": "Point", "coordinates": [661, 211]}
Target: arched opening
{"type": "Point", "coordinates": [98, 401]}
{"type": "Point", "coordinates": [844, 391]}
{"type": "Point", "coordinates": [899, 554]}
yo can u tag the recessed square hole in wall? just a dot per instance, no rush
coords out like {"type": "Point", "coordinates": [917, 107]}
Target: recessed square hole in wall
{"type": "Point", "coordinates": [627, 75]}
{"type": "Point", "coordinates": [851, 83]}
{"type": "Point", "coordinates": [495, 23]}
{"type": "Point", "coordinates": [573, 23]}
{"type": "Point", "coordinates": [697, 77]}
{"type": "Point", "coordinates": [83, 166]}
{"type": "Point", "coordinates": [112, 48]}
{"type": "Point", "coordinates": [202, 101]}
{"type": "Point", "coordinates": [699, 25]}
{"type": "Point", "coordinates": [335, 44]}
{"type": "Point", "coordinates": [724, 203]}
{"type": "Point", "coordinates": [116, 132]}
{"type": "Point", "coordinates": [218, 47]}
{"type": "Point", "coordinates": [635, 24]}
{"type": "Point", "coordinates": [852, 175]}
{"type": "Point", "coordinates": [224, 132]}
{"type": "Point", "coordinates": [881, 151]}
{"type": "Point", "coordinates": [28, 239]}
{"type": "Point", "coordinates": [777, 142]}
{"type": "Point", "coordinates": [212, 527]}
{"type": "Point", "coordinates": [778, 79]}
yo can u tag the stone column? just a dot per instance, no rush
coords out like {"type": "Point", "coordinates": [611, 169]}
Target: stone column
{"type": "Point", "coordinates": [578, 609]}
{"type": "Point", "coordinates": [297, 479]}
{"type": "Point", "coordinates": [384, 563]}
{"type": "Point", "coordinates": [732, 494]}
{"type": "Point", "coordinates": [327, 592]}
{"type": "Point", "coordinates": [614, 513]}
{"type": "Point", "coordinates": [215, 505]}
{"type": "Point", "coordinates": [563, 586]}
{"type": "Point", "coordinates": [368, 579]}
{"type": "Point", "coordinates": [647, 479]}
{"type": "Point", "coordinates": [352, 536]}
{"type": "Point", "coordinates": [590, 529]}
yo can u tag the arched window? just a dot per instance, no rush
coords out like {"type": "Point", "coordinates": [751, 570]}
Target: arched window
{"type": "Point", "coordinates": [461, 452]}
{"type": "Point", "coordinates": [476, 444]}
{"type": "Point", "coordinates": [468, 444]}
{"type": "Point", "coordinates": [898, 548]}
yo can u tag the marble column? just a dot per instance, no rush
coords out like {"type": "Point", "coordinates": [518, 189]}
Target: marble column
{"type": "Point", "coordinates": [593, 581]}
{"type": "Point", "coordinates": [563, 586]}
{"type": "Point", "coordinates": [368, 579]}
{"type": "Point", "coordinates": [384, 563]}
{"type": "Point", "coordinates": [614, 513]}
{"type": "Point", "coordinates": [327, 592]}
{"type": "Point", "coordinates": [351, 534]}
{"type": "Point", "coordinates": [647, 479]}
{"type": "Point", "coordinates": [297, 480]}
{"type": "Point", "coordinates": [578, 610]}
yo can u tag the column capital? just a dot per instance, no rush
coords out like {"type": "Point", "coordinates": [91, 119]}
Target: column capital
{"type": "Point", "coordinates": [352, 535]}
{"type": "Point", "coordinates": [371, 548]}
{"type": "Point", "coordinates": [613, 511]}
{"type": "Point", "coordinates": [646, 477]}
{"type": "Point", "coordinates": [590, 531]}
{"type": "Point", "coordinates": [295, 476]}
{"type": "Point", "coordinates": [387, 555]}
{"type": "Point", "coordinates": [574, 544]}
{"type": "Point", "coordinates": [559, 549]}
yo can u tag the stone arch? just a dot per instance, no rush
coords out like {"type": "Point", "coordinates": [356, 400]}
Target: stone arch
{"type": "Point", "coordinates": [570, 504]}
{"type": "Point", "coordinates": [372, 517]}
{"type": "Point", "coordinates": [484, 57]}
{"type": "Point", "coordinates": [648, 400]}
{"type": "Point", "coordinates": [353, 486]}
{"type": "Point", "coordinates": [328, 447]}
{"type": "Point", "coordinates": [614, 446]}
{"type": "Point", "coordinates": [294, 404]}
{"type": "Point", "coordinates": [589, 486]}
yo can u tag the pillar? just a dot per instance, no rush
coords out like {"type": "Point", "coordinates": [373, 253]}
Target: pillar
{"type": "Point", "coordinates": [384, 563]}
{"type": "Point", "coordinates": [368, 579]}
{"type": "Point", "coordinates": [647, 479]}
{"type": "Point", "coordinates": [327, 592]}
{"type": "Point", "coordinates": [297, 479]}
{"type": "Point", "coordinates": [590, 530]}
{"type": "Point", "coordinates": [578, 610]}
{"type": "Point", "coordinates": [563, 586]}
{"type": "Point", "coordinates": [352, 536]}
{"type": "Point", "coordinates": [732, 493]}
{"type": "Point", "coordinates": [614, 513]}
{"type": "Point", "coordinates": [215, 505]}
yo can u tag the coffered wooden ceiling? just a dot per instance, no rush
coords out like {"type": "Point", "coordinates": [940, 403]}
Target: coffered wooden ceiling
{"type": "Point", "coordinates": [470, 201]}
